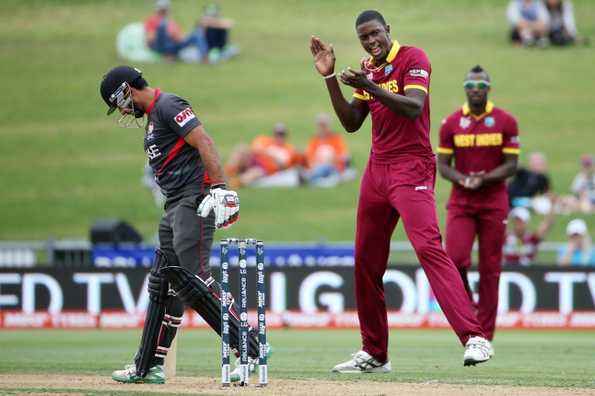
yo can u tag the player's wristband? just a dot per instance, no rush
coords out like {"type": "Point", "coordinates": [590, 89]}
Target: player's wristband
{"type": "Point", "coordinates": [329, 76]}
{"type": "Point", "coordinates": [218, 185]}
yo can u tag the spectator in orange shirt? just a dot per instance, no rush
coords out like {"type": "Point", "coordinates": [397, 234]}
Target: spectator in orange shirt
{"type": "Point", "coordinates": [266, 156]}
{"type": "Point", "coordinates": [327, 157]}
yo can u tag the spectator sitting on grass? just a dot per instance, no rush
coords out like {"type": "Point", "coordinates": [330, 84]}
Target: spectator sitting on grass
{"type": "Point", "coordinates": [583, 185]}
{"type": "Point", "coordinates": [216, 30]}
{"type": "Point", "coordinates": [267, 156]}
{"type": "Point", "coordinates": [529, 182]}
{"type": "Point", "coordinates": [327, 157]}
{"type": "Point", "coordinates": [583, 190]}
{"type": "Point", "coordinates": [165, 37]}
{"type": "Point", "coordinates": [529, 22]}
{"type": "Point", "coordinates": [562, 26]}
{"type": "Point", "coordinates": [579, 249]}
{"type": "Point", "coordinates": [521, 245]}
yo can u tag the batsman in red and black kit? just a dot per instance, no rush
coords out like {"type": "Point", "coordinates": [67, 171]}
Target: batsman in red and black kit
{"type": "Point", "coordinates": [483, 141]}
{"type": "Point", "coordinates": [188, 171]}
{"type": "Point", "coordinates": [393, 86]}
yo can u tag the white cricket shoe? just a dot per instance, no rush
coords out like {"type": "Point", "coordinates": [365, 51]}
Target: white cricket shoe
{"type": "Point", "coordinates": [477, 350]}
{"type": "Point", "coordinates": [362, 362]}
{"type": "Point", "coordinates": [492, 351]}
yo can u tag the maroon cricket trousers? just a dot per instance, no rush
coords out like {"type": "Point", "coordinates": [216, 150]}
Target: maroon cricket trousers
{"type": "Point", "coordinates": [403, 189]}
{"type": "Point", "coordinates": [488, 222]}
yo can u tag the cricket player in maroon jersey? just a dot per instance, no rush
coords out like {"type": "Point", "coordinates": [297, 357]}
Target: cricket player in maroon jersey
{"type": "Point", "coordinates": [483, 141]}
{"type": "Point", "coordinates": [393, 85]}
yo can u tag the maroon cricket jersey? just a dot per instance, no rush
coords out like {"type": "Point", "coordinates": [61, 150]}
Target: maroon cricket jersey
{"type": "Point", "coordinates": [478, 143]}
{"type": "Point", "coordinates": [521, 251]}
{"type": "Point", "coordinates": [394, 135]}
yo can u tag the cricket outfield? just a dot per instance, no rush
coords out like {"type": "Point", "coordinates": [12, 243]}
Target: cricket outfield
{"type": "Point", "coordinates": [425, 362]}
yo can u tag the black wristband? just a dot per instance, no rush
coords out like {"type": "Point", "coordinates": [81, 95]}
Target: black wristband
{"type": "Point", "coordinates": [219, 185]}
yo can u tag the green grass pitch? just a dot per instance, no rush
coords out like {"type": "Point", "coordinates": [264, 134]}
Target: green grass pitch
{"type": "Point", "coordinates": [527, 358]}
{"type": "Point", "coordinates": [64, 164]}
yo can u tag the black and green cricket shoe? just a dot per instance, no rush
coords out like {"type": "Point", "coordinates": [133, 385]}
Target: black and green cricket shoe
{"type": "Point", "coordinates": [128, 375]}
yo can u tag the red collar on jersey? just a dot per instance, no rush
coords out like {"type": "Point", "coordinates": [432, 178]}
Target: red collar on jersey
{"type": "Point", "coordinates": [489, 108]}
{"type": "Point", "coordinates": [152, 104]}
{"type": "Point", "coordinates": [392, 54]}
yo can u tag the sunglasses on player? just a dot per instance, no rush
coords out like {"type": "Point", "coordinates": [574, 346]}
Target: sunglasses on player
{"type": "Point", "coordinates": [476, 84]}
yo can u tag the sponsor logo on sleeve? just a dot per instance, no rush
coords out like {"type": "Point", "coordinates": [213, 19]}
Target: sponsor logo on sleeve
{"type": "Point", "coordinates": [515, 139]}
{"type": "Point", "coordinates": [184, 116]}
{"type": "Point", "coordinates": [418, 73]}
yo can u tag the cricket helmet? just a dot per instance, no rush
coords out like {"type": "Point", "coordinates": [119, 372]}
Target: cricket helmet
{"type": "Point", "coordinates": [116, 92]}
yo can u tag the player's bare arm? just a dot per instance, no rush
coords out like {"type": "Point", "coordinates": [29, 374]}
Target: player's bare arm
{"type": "Point", "coordinates": [450, 173]}
{"type": "Point", "coordinates": [351, 114]}
{"type": "Point", "coordinates": [498, 174]}
{"type": "Point", "coordinates": [223, 202]}
{"type": "Point", "coordinates": [410, 105]}
{"type": "Point", "coordinates": [546, 225]}
{"type": "Point", "coordinates": [476, 180]}
{"type": "Point", "coordinates": [200, 140]}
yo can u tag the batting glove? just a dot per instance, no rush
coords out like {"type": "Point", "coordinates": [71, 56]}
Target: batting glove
{"type": "Point", "coordinates": [225, 204]}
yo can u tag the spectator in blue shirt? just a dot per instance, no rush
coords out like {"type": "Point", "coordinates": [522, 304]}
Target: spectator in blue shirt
{"type": "Point", "coordinates": [579, 249]}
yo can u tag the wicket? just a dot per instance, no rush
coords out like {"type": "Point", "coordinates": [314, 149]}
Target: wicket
{"type": "Point", "coordinates": [226, 301]}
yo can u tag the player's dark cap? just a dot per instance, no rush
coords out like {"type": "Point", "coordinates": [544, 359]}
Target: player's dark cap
{"type": "Point", "coordinates": [113, 80]}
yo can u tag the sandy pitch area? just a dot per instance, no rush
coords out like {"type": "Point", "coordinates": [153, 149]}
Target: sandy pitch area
{"type": "Point", "coordinates": [39, 384]}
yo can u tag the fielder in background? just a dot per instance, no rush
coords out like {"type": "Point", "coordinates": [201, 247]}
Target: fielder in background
{"type": "Point", "coordinates": [483, 141]}
{"type": "Point", "coordinates": [398, 182]}
{"type": "Point", "coordinates": [189, 173]}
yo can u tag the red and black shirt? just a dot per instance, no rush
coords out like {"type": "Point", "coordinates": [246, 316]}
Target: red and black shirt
{"type": "Point", "coordinates": [521, 251]}
{"type": "Point", "coordinates": [177, 165]}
